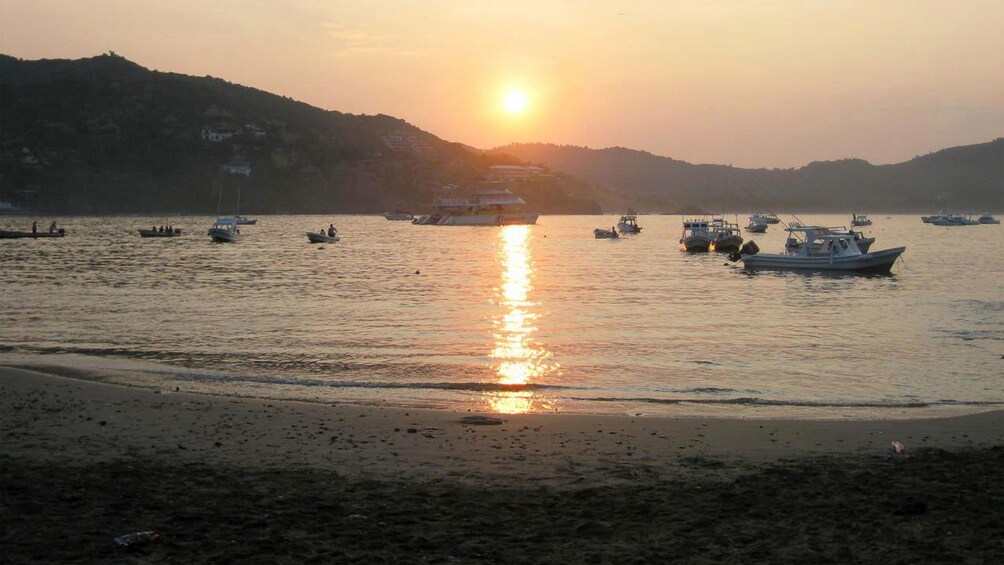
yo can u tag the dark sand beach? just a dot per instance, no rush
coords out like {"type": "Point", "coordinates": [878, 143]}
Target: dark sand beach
{"type": "Point", "coordinates": [248, 480]}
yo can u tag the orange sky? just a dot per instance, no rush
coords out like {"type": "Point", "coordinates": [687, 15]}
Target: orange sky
{"type": "Point", "coordinates": [753, 83]}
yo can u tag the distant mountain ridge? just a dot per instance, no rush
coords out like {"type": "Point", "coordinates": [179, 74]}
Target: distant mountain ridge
{"type": "Point", "coordinates": [105, 135]}
{"type": "Point", "coordinates": [962, 178]}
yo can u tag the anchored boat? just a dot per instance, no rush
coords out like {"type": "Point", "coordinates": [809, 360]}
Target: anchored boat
{"type": "Point", "coordinates": [816, 248]}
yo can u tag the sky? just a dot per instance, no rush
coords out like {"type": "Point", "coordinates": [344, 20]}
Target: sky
{"type": "Point", "coordinates": [750, 83]}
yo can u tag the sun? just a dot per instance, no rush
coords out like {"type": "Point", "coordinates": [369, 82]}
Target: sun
{"type": "Point", "coordinates": [515, 102]}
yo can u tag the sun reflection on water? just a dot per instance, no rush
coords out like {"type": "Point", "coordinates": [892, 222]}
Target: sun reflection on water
{"type": "Point", "coordinates": [518, 359]}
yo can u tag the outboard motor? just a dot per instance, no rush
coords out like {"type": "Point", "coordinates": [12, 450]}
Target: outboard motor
{"type": "Point", "coordinates": [748, 248]}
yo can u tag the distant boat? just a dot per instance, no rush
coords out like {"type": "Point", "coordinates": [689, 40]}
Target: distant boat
{"type": "Point", "coordinates": [7, 234]}
{"type": "Point", "coordinates": [765, 218]}
{"type": "Point", "coordinates": [600, 233]}
{"type": "Point", "coordinates": [954, 220]}
{"type": "Point", "coordinates": [696, 237]}
{"type": "Point", "coordinates": [399, 216]}
{"type": "Point", "coordinates": [987, 218]}
{"type": "Point", "coordinates": [860, 220]}
{"type": "Point", "coordinates": [757, 224]}
{"type": "Point", "coordinates": [321, 237]}
{"type": "Point", "coordinates": [820, 249]}
{"type": "Point", "coordinates": [490, 207]}
{"type": "Point", "coordinates": [174, 232]}
{"type": "Point", "coordinates": [629, 224]}
{"type": "Point", "coordinates": [245, 221]}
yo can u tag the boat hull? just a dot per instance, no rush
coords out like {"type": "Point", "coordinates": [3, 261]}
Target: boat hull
{"type": "Point", "coordinates": [605, 234]}
{"type": "Point", "coordinates": [223, 236]}
{"type": "Point", "coordinates": [157, 233]}
{"type": "Point", "coordinates": [696, 244]}
{"type": "Point", "coordinates": [757, 228]}
{"type": "Point", "coordinates": [4, 234]}
{"type": "Point", "coordinates": [728, 244]}
{"type": "Point", "coordinates": [321, 238]}
{"type": "Point", "coordinates": [877, 262]}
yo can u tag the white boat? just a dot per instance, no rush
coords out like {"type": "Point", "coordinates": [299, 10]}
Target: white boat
{"type": "Point", "coordinates": [399, 216]}
{"type": "Point", "coordinates": [860, 220]}
{"type": "Point", "coordinates": [629, 224]}
{"type": "Point", "coordinates": [321, 237]}
{"type": "Point", "coordinates": [987, 218]}
{"type": "Point", "coordinates": [696, 236]}
{"type": "Point", "coordinates": [725, 237]}
{"type": "Point", "coordinates": [489, 207]}
{"type": "Point", "coordinates": [821, 249]}
{"type": "Point", "coordinates": [764, 218]}
{"type": "Point", "coordinates": [954, 220]}
{"type": "Point", "coordinates": [600, 233]}
{"type": "Point", "coordinates": [931, 218]}
{"type": "Point", "coordinates": [225, 230]}
{"type": "Point", "coordinates": [245, 221]}
{"type": "Point", "coordinates": [757, 224]}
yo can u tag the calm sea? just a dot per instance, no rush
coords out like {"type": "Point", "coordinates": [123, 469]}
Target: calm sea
{"type": "Point", "coordinates": [512, 319]}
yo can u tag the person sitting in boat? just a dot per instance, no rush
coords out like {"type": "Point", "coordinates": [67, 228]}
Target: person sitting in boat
{"type": "Point", "coordinates": [331, 230]}
{"type": "Point", "coordinates": [52, 227]}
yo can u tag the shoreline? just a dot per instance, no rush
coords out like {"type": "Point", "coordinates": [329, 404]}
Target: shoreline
{"type": "Point", "coordinates": [234, 479]}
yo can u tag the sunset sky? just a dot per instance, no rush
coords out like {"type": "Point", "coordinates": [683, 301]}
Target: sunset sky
{"type": "Point", "coordinates": [752, 83]}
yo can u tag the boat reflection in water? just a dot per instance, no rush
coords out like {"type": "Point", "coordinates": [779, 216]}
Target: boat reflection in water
{"type": "Point", "coordinates": [518, 360]}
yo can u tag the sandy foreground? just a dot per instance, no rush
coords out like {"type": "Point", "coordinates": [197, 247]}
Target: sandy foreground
{"type": "Point", "coordinates": [234, 479]}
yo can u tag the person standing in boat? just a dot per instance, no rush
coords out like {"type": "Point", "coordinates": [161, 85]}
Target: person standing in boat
{"type": "Point", "coordinates": [34, 227]}
{"type": "Point", "coordinates": [331, 230]}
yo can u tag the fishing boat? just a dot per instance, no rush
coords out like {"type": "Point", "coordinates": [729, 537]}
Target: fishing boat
{"type": "Point", "coordinates": [600, 233]}
{"type": "Point", "coordinates": [399, 216]}
{"type": "Point", "coordinates": [162, 232]}
{"type": "Point", "coordinates": [860, 220]}
{"type": "Point", "coordinates": [954, 220]}
{"type": "Point", "coordinates": [757, 224]}
{"type": "Point", "coordinates": [245, 221]}
{"type": "Point", "coordinates": [629, 224]}
{"type": "Point", "coordinates": [321, 237]}
{"type": "Point", "coordinates": [696, 237]}
{"type": "Point", "coordinates": [987, 218]}
{"type": "Point", "coordinates": [486, 207]}
{"type": "Point", "coordinates": [225, 230]}
{"type": "Point", "coordinates": [820, 249]}
{"type": "Point", "coordinates": [725, 237]}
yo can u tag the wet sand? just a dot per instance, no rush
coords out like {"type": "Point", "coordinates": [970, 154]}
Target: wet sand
{"type": "Point", "coordinates": [228, 479]}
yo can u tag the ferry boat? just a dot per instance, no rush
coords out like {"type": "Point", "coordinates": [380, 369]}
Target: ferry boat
{"type": "Point", "coordinates": [818, 248]}
{"type": "Point", "coordinates": [696, 236]}
{"type": "Point", "coordinates": [488, 207]}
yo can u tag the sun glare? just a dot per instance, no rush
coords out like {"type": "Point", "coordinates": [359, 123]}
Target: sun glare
{"type": "Point", "coordinates": [515, 102]}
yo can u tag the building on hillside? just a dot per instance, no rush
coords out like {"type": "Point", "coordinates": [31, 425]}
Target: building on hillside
{"type": "Point", "coordinates": [510, 172]}
{"type": "Point", "coordinates": [404, 141]}
{"type": "Point", "coordinates": [217, 135]}
{"type": "Point", "coordinates": [237, 167]}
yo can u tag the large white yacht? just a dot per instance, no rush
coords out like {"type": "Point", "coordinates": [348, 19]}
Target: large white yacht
{"type": "Point", "coordinates": [486, 207]}
{"type": "Point", "coordinates": [817, 248]}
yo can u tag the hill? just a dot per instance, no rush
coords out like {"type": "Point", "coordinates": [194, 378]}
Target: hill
{"type": "Point", "coordinates": [960, 178]}
{"type": "Point", "coordinates": [105, 135]}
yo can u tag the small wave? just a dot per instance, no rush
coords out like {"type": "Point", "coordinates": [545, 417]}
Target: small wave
{"type": "Point", "coordinates": [754, 401]}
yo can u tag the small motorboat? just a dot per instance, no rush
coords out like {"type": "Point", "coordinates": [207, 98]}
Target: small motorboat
{"type": "Point", "coordinates": [757, 224]}
{"type": "Point", "coordinates": [600, 233]}
{"type": "Point", "coordinates": [860, 220]}
{"type": "Point", "coordinates": [245, 221]}
{"type": "Point", "coordinates": [321, 237]}
{"type": "Point", "coordinates": [818, 248]}
{"type": "Point", "coordinates": [629, 224]}
{"type": "Point", "coordinates": [399, 216]}
{"type": "Point", "coordinates": [987, 218]}
{"type": "Point", "coordinates": [175, 232]}
{"type": "Point", "coordinates": [765, 218]}
{"type": "Point", "coordinates": [225, 230]}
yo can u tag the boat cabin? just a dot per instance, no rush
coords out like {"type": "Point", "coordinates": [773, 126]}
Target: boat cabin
{"type": "Point", "coordinates": [818, 241]}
